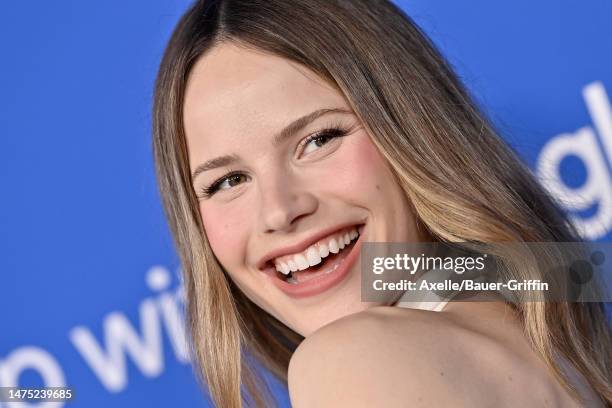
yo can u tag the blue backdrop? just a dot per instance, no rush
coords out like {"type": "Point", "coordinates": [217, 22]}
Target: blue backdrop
{"type": "Point", "coordinates": [89, 291]}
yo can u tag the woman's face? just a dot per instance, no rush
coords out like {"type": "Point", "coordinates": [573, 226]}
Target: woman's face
{"type": "Point", "coordinates": [270, 196]}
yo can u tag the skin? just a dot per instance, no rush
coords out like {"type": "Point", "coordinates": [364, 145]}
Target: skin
{"type": "Point", "coordinates": [472, 354]}
{"type": "Point", "coordinates": [236, 101]}
{"type": "Point", "coordinates": [355, 354]}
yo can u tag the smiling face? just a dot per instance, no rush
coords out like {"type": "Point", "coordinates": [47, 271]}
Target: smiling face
{"type": "Point", "coordinates": [277, 196]}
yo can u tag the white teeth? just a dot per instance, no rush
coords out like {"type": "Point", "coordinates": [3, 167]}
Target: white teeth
{"type": "Point", "coordinates": [333, 246]}
{"type": "Point", "coordinates": [315, 253]}
{"type": "Point", "coordinates": [285, 268]}
{"type": "Point", "coordinates": [323, 250]}
{"type": "Point", "coordinates": [313, 257]}
{"type": "Point", "coordinates": [301, 262]}
{"type": "Point", "coordinates": [282, 268]}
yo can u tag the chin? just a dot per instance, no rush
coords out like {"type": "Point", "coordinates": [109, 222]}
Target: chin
{"type": "Point", "coordinates": [307, 324]}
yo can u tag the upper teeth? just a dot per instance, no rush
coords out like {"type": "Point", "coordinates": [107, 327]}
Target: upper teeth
{"type": "Point", "coordinates": [314, 254]}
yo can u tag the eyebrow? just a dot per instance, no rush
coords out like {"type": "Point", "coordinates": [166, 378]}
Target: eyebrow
{"type": "Point", "coordinates": [283, 135]}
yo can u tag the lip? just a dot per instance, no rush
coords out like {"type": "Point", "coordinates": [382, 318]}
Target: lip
{"type": "Point", "coordinates": [319, 285]}
{"type": "Point", "coordinates": [302, 245]}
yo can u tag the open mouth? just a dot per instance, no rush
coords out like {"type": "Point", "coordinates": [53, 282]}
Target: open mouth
{"type": "Point", "coordinates": [326, 256]}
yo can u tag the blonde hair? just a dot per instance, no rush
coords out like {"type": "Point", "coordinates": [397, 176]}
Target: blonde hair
{"type": "Point", "coordinates": [465, 184]}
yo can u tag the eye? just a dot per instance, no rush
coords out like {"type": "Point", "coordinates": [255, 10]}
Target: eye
{"type": "Point", "coordinates": [224, 183]}
{"type": "Point", "coordinates": [308, 145]}
{"type": "Point", "coordinates": [318, 140]}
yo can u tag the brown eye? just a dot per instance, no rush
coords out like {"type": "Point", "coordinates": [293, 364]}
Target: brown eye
{"type": "Point", "coordinates": [235, 179]}
{"type": "Point", "coordinates": [224, 183]}
{"type": "Point", "coordinates": [322, 138]}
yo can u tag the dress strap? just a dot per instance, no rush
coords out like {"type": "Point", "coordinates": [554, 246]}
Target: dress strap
{"type": "Point", "coordinates": [427, 300]}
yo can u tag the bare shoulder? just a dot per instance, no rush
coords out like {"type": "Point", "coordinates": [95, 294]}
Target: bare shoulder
{"type": "Point", "coordinates": [396, 357]}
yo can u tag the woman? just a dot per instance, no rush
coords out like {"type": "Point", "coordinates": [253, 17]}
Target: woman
{"type": "Point", "coordinates": [280, 126]}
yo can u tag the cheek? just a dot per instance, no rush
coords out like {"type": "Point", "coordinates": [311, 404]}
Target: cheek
{"type": "Point", "coordinates": [373, 168]}
{"type": "Point", "coordinates": [362, 171]}
{"type": "Point", "coordinates": [226, 232]}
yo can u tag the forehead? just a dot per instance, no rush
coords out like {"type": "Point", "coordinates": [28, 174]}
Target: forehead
{"type": "Point", "coordinates": [235, 92]}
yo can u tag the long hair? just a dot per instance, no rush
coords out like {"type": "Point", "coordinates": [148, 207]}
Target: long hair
{"type": "Point", "coordinates": [465, 184]}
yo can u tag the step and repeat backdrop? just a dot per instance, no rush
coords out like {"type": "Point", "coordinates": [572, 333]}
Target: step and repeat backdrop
{"type": "Point", "coordinates": [89, 294]}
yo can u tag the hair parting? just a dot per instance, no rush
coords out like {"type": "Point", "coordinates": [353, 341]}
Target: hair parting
{"type": "Point", "coordinates": [465, 184]}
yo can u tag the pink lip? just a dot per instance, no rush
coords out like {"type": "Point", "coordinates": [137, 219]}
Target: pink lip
{"type": "Point", "coordinates": [318, 285]}
{"type": "Point", "coordinates": [302, 245]}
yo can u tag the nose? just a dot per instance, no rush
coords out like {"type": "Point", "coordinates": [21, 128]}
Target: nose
{"type": "Point", "coordinates": [284, 200]}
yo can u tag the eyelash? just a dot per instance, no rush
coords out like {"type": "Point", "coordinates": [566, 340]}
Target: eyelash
{"type": "Point", "coordinates": [331, 132]}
